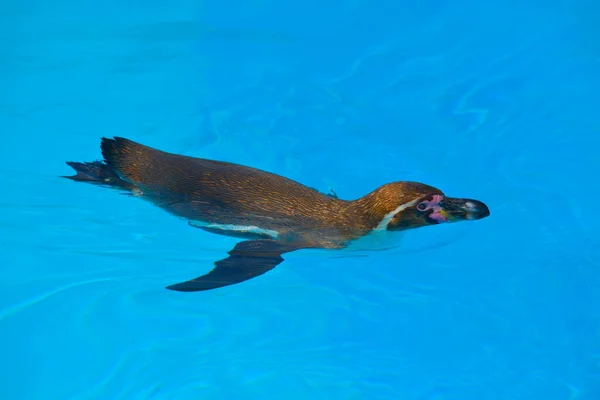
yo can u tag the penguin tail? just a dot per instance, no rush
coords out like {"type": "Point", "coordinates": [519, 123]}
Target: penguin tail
{"type": "Point", "coordinates": [134, 162]}
{"type": "Point", "coordinates": [98, 173]}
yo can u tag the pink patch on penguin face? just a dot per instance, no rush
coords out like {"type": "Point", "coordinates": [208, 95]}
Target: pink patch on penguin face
{"type": "Point", "coordinates": [434, 205]}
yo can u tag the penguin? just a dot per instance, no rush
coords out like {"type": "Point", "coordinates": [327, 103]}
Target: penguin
{"type": "Point", "coordinates": [271, 214]}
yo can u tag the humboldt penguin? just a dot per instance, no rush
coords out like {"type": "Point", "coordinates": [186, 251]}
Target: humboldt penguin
{"type": "Point", "coordinates": [272, 214]}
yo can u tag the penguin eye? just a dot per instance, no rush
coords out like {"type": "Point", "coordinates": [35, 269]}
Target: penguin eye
{"type": "Point", "coordinates": [422, 206]}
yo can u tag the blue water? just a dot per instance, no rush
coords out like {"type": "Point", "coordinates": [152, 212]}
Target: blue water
{"type": "Point", "coordinates": [493, 101]}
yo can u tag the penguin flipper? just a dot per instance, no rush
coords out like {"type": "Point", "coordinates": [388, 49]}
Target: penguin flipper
{"type": "Point", "coordinates": [248, 259]}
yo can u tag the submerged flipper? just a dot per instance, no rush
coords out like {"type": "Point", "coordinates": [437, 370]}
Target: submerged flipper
{"type": "Point", "coordinates": [248, 259]}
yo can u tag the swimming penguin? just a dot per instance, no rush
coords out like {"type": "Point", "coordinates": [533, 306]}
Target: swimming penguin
{"type": "Point", "coordinates": [272, 214]}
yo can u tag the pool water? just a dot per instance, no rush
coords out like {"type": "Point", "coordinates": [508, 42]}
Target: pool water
{"type": "Point", "coordinates": [492, 101]}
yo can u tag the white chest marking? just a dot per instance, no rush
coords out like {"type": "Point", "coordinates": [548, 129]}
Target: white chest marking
{"type": "Point", "coordinates": [382, 226]}
{"type": "Point", "coordinates": [236, 228]}
{"type": "Point", "coordinates": [376, 241]}
{"type": "Point", "coordinates": [380, 238]}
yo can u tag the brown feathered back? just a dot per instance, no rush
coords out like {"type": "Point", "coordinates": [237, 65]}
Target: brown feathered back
{"type": "Point", "coordinates": [198, 188]}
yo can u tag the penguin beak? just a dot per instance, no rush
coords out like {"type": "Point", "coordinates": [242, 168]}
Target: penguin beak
{"type": "Point", "coordinates": [455, 210]}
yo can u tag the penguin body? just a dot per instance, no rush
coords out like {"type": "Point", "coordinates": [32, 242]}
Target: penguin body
{"type": "Point", "coordinates": [272, 214]}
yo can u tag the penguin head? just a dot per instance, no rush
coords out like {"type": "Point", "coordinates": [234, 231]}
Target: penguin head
{"type": "Point", "coordinates": [409, 205]}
